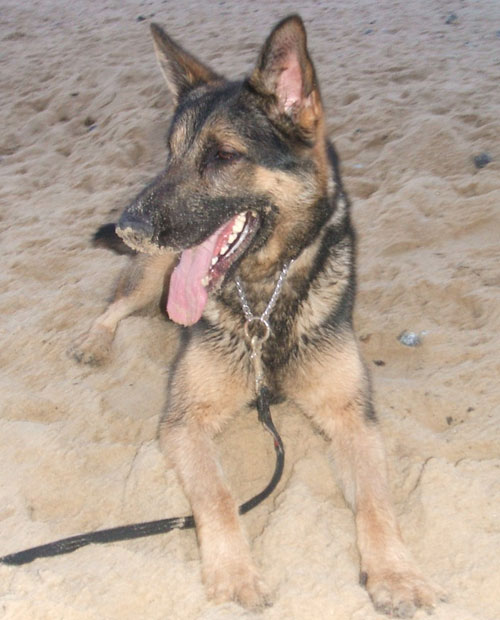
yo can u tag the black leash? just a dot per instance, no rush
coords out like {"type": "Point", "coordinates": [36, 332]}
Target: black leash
{"type": "Point", "coordinates": [151, 528]}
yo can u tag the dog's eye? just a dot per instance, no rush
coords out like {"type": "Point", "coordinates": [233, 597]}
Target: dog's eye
{"type": "Point", "coordinates": [226, 155]}
{"type": "Point", "coordinates": [218, 157]}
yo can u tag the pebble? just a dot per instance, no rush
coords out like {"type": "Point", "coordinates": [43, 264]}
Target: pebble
{"type": "Point", "coordinates": [90, 123]}
{"type": "Point", "coordinates": [410, 339]}
{"type": "Point", "coordinates": [451, 19]}
{"type": "Point", "coordinates": [482, 160]}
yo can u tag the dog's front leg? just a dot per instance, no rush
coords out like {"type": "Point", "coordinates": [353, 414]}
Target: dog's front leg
{"type": "Point", "coordinates": [203, 395]}
{"type": "Point", "coordinates": [335, 394]}
{"type": "Point", "coordinates": [141, 283]}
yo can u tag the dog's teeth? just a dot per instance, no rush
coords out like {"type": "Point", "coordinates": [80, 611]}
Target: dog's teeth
{"type": "Point", "coordinates": [224, 249]}
{"type": "Point", "coordinates": [232, 237]}
{"type": "Point", "coordinates": [214, 260]}
{"type": "Point", "coordinates": [239, 224]}
{"type": "Point", "coordinates": [205, 281]}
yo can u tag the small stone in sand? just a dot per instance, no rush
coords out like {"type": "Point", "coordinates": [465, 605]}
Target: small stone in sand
{"type": "Point", "coordinates": [482, 160]}
{"type": "Point", "coordinates": [452, 18]}
{"type": "Point", "coordinates": [409, 339]}
{"type": "Point", "coordinates": [90, 123]}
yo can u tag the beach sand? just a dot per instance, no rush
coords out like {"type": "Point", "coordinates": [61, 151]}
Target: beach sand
{"type": "Point", "coordinates": [411, 92]}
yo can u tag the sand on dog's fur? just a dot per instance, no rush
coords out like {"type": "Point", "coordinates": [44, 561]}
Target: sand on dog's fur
{"type": "Point", "coordinates": [410, 100]}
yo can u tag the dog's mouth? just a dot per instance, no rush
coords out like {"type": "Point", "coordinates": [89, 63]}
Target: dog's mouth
{"type": "Point", "coordinates": [202, 268]}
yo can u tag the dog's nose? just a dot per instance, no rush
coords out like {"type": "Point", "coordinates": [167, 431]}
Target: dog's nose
{"type": "Point", "coordinates": [138, 224]}
{"type": "Point", "coordinates": [135, 231]}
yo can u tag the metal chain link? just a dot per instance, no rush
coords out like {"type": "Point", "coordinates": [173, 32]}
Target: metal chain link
{"type": "Point", "coordinates": [257, 341]}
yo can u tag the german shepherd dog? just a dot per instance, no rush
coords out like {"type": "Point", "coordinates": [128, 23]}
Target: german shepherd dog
{"type": "Point", "coordinates": [252, 183]}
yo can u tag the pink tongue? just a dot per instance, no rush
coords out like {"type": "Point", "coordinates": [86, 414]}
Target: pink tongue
{"type": "Point", "coordinates": [187, 296]}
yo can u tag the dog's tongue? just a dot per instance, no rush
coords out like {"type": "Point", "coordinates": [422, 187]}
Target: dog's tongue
{"type": "Point", "coordinates": [187, 296]}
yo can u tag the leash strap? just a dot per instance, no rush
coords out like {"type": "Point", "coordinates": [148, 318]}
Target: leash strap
{"type": "Point", "coordinates": [151, 528]}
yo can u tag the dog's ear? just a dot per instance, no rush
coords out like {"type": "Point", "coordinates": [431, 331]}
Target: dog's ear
{"type": "Point", "coordinates": [181, 70]}
{"type": "Point", "coordinates": [285, 77]}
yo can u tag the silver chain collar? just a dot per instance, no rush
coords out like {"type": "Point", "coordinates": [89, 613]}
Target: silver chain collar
{"type": "Point", "coordinates": [256, 341]}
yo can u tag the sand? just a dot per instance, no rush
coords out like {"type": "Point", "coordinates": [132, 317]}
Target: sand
{"type": "Point", "coordinates": [412, 96]}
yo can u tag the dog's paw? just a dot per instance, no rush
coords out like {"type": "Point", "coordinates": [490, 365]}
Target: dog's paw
{"type": "Point", "coordinates": [92, 348]}
{"type": "Point", "coordinates": [238, 582]}
{"type": "Point", "coordinates": [400, 593]}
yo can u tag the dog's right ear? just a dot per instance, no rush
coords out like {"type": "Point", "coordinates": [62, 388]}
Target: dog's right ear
{"type": "Point", "coordinates": [181, 70]}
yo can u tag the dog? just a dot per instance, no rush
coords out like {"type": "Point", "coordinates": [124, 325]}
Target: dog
{"type": "Point", "coordinates": [251, 196]}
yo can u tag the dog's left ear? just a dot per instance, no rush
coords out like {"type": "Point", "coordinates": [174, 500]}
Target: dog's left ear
{"type": "Point", "coordinates": [181, 70]}
{"type": "Point", "coordinates": [285, 77]}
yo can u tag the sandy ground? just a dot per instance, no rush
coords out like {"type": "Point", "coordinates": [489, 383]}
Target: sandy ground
{"type": "Point", "coordinates": [412, 95]}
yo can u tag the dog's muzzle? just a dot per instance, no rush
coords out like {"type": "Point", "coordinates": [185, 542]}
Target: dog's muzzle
{"type": "Point", "coordinates": [138, 234]}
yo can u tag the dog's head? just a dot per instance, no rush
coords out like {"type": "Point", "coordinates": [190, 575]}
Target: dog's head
{"type": "Point", "coordinates": [246, 175]}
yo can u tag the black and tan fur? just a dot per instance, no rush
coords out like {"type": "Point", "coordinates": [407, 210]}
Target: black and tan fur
{"type": "Point", "coordinates": [260, 145]}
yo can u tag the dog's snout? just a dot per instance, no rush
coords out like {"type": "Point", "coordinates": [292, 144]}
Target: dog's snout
{"type": "Point", "coordinates": [135, 232]}
{"type": "Point", "coordinates": [139, 225]}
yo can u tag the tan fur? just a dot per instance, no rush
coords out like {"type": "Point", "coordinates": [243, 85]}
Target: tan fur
{"type": "Point", "coordinates": [290, 194]}
{"type": "Point", "coordinates": [140, 284]}
{"type": "Point", "coordinates": [209, 398]}
{"type": "Point", "coordinates": [177, 138]}
{"type": "Point", "coordinates": [224, 134]}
